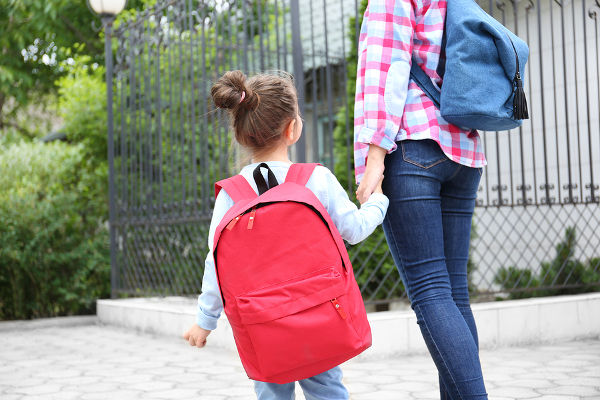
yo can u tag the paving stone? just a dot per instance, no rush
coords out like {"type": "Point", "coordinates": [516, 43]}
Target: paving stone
{"type": "Point", "coordinates": [151, 386]}
{"type": "Point", "coordinates": [117, 394]}
{"type": "Point", "coordinates": [234, 391]}
{"type": "Point", "coordinates": [165, 371]}
{"type": "Point", "coordinates": [62, 395]}
{"type": "Point", "coordinates": [379, 395]}
{"type": "Point", "coordinates": [132, 378]}
{"type": "Point", "coordinates": [410, 386]}
{"type": "Point", "coordinates": [570, 363]}
{"type": "Point", "coordinates": [173, 394]}
{"type": "Point", "coordinates": [38, 389]}
{"type": "Point", "coordinates": [432, 394]}
{"type": "Point", "coordinates": [112, 372]}
{"type": "Point", "coordinates": [548, 375]}
{"type": "Point", "coordinates": [532, 383]}
{"type": "Point", "coordinates": [114, 363]}
{"type": "Point", "coordinates": [380, 379]}
{"type": "Point", "coordinates": [101, 387]}
{"type": "Point", "coordinates": [77, 380]}
{"type": "Point", "coordinates": [572, 390]}
{"type": "Point", "coordinates": [515, 393]}
{"type": "Point", "coordinates": [580, 381]}
{"type": "Point", "coordinates": [58, 373]}
{"type": "Point", "coordinates": [203, 384]}
{"type": "Point", "coordinates": [592, 372]}
{"type": "Point", "coordinates": [360, 387]}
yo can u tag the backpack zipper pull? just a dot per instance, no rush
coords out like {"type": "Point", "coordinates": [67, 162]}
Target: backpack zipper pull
{"type": "Point", "coordinates": [232, 223]}
{"type": "Point", "coordinates": [519, 101]}
{"type": "Point", "coordinates": [252, 217]}
{"type": "Point", "coordinates": [339, 309]}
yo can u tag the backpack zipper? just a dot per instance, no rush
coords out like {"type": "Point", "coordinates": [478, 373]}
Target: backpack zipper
{"type": "Point", "coordinates": [252, 218]}
{"type": "Point", "coordinates": [339, 309]}
{"type": "Point", "coordinates": [232, 223]}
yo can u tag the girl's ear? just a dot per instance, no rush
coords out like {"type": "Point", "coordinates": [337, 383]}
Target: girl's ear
{"type": "Point", "coordinates": [289, 132]}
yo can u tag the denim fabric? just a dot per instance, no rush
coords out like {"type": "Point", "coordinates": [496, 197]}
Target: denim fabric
{"type": "Point", "coordinates": [325, 386]}
{"type": "Point", "coordinates": [427, 227]}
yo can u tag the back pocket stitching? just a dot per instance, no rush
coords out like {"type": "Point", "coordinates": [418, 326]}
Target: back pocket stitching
{"type": "Point", "coordinates": [408, 160]}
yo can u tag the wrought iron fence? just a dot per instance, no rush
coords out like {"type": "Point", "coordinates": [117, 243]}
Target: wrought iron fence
{"type": "Point", "coordinates": [537, 210]}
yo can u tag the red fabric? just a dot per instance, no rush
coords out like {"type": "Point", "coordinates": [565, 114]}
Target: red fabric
{"type": "Point", "coordinates": [281, 282]}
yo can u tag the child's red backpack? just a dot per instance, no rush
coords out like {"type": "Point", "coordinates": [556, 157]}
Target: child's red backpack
{"type": "Point", "coordinates": [286, 280]}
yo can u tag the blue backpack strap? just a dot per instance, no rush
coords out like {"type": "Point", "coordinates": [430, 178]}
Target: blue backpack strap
{"type": "Point", "coordinates": [237, 187]}
{"type": "Point", "coordinates": [300, 173]}
{"type": "Point", "coordinates": [424, 82]}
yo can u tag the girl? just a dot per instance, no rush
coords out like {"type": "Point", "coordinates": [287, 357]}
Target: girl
{"type": "Point", "coordinates": [432, 171]}
{"type": "Point", "coordinates": [265, 119]}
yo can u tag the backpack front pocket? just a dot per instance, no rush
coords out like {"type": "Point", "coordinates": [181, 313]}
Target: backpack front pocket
{"type": "Point", "coordinates": [298, 322]}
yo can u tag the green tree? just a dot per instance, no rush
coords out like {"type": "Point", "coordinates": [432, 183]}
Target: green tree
{"type": "Point", "coordinates": [35, 38]}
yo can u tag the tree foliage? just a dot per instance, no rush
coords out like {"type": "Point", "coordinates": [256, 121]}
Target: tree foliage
{"type": "Point", "coordinates": [36, 37]}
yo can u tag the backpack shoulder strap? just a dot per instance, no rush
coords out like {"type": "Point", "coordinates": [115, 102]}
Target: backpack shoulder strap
{"type": "Point", "coordinates": [424, 82]}
{"type": "Point", "coordinates": [300, 173]}
{"type": "Point", "coordinates": [237, 187]}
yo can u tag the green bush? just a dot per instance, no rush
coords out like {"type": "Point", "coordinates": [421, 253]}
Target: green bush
{"type": "Point", "coordinates": [53, 246]}
{"type": "Point", "coordinates": [563, 275]}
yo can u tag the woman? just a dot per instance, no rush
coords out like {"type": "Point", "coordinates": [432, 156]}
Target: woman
{"type": "Point", "coordinates": [432, 171]}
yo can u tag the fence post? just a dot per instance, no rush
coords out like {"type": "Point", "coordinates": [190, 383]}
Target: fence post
{"type": "Point", "coordinates": [114, 275]}
{"type": "Point", "coordinates": [298, 60]}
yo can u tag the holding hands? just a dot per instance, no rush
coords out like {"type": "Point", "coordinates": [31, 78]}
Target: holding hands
{"type": "Point", "coordinates": [373, 176]}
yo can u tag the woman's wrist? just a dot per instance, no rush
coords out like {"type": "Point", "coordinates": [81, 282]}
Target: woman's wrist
{"type": "Point", "coordinates": [376, 154]}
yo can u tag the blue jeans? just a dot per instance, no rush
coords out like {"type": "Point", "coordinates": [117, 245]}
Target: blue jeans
{"type": "Point", "coordinates": [427, 227]}
{"type": "Point", "coordinates": [325, 386]}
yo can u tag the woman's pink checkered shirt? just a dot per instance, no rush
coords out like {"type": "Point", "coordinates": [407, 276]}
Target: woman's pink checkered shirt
{"type": "Point", "coordinates": [389, 107]}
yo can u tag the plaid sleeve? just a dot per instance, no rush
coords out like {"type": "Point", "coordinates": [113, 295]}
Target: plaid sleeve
{"type": "Point", "coordinates": [385, 48]}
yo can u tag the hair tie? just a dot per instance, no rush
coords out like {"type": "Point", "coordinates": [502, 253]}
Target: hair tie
{"type": "Point", "coordinates": [243, 96]}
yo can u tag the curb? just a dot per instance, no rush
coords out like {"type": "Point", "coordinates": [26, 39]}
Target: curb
{"type": "Point", "coordinates": [56, 322]}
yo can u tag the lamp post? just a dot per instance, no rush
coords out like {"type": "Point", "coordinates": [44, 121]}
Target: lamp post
{"type": "Point", "coordinates": [108, 10]}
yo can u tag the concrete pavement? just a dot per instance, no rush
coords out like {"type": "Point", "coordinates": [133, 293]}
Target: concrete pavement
{"type": "Point", "coordinates": [86, 360]}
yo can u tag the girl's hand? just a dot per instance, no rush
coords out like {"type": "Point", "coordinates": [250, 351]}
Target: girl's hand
{"type": "Point", "coordinates": [196, 336]}
{"type": "Point", "coordinates": [373, 175]}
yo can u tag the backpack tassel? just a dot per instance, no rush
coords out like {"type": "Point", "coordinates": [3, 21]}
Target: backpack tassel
{"type": "Point", "coordinates": [519, 102]}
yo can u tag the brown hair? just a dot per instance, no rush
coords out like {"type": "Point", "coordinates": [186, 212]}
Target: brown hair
{"type": "Point", "coordinates": [260, 107]}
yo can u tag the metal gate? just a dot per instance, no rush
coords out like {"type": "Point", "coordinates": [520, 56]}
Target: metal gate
{"type": "Point", "coordinates": [537, 210]}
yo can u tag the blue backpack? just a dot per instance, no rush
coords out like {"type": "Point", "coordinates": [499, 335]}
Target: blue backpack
{"type": "Point", "coordinates": [483, 73]}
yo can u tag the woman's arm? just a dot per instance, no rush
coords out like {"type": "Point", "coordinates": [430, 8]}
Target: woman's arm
{"type": "Point", "coordinates": [385, 53]}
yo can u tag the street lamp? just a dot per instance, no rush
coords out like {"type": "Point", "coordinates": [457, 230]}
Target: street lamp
{"type": "Point", "coordinates": [107, 7]}
{"type": "Point", "coordinates": [108, 10]}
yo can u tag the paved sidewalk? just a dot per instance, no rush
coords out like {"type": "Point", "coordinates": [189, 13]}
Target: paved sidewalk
{"type": "Point", "coordinates": [102, 362]}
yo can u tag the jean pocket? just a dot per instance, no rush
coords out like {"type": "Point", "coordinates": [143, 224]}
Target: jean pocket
{"type": "Point", "coordinates": [424, 153]}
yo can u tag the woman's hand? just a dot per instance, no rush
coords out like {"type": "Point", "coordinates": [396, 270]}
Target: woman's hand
{"type": "Point", "coordinates": [196, 336]}
{"type": "Point", "coordinates": [373, 176]}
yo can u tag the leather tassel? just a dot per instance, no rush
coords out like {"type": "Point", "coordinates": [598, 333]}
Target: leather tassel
{"type": "Point", "coordinates": [519, 102]}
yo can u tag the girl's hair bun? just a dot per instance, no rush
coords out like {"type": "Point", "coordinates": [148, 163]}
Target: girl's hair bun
{"type": "Point", "coordinates": [230, 92]}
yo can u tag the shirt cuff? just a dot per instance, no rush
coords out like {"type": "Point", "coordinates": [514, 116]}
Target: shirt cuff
{"type": "Point", "coordinates": [367, 135]}
{"type": "Point", "coordinates": [379, 198]}
{"type": "Point", "coordinates": [206, 321]}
